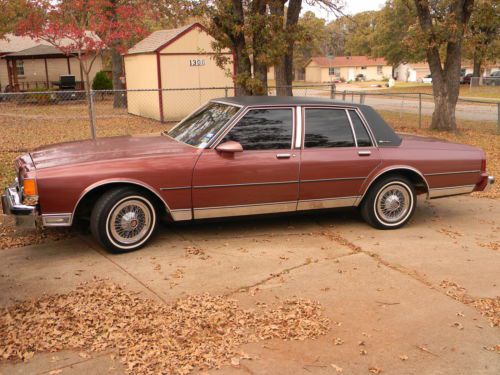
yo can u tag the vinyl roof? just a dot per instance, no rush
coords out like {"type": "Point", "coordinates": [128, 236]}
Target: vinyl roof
{"type": "Point", "coordinates": [157, 39]}
{"type": "Point", "coordinates": [281, 100]}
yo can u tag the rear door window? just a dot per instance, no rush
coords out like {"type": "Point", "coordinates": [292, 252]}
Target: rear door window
{"type": "Point", "coordinates": [327, 128]}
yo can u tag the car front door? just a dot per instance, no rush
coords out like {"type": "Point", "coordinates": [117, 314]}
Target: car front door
{"type": "Point", "coordinates": [263, 178]}
{"type": "Point", "coordinates": [338, 155]}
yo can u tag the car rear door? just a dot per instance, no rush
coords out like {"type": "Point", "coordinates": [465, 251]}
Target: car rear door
{"type": "Point", "coordinates": [261, 179]}
{"type": "Point", "coordinates": [338, 154]}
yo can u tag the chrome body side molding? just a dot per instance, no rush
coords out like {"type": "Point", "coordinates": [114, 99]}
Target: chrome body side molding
{"type": "Point", "coordinates": [316, 204]}
{"type": "Point", "coordinates": [182, 214]}
{"type": "Point", "coordinates": [451, 190]}
{"type": "Point", "coordinates": [244, 210]}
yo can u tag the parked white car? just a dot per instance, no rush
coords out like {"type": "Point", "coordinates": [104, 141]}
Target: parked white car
{"type": "Point", "coordinates": [426, 79]}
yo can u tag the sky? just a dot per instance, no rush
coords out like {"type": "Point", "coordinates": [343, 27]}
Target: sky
{"type": "Point", "coordinates": [351, 7]}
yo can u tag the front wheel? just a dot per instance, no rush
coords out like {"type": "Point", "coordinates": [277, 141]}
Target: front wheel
{"type": "Point", "coordinates": [389, 203]}
{"type": "Point", "coordinates": [123, 220]}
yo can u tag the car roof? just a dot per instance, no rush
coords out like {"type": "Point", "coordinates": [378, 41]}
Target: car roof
{"type": "Point", "coordinates": [281, 100]}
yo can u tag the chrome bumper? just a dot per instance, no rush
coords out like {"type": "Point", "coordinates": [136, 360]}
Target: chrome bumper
{"type": "Point", "coordinates": [491, 181]}
{"type": "Point", "coordinates": [12, 205]}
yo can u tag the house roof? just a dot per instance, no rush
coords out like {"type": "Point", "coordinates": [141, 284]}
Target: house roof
{"type": "Point", "coordinates": [40, 50]}
{"type": "Point", "coordinates": [159, 39]}
{"type": "Point", "coordinates": [14, 43]}
{"type": "Point", "coordinates": [340, 61]}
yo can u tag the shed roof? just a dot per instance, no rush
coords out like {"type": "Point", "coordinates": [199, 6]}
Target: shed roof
{"type": "Point", "coordinates": [340, 61]}
{"type": "Point", "coordinates": [158, 39]}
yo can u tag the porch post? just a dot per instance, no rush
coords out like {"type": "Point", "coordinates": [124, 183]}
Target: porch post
{"type": "Point", "coordinates": [69, 65]}
{"type": "Point", "coordinates": [14, 74]}
{"type": "Point", "coordinates": [46, 73]}
{"type": "Point", "coordinates": [9, 72]}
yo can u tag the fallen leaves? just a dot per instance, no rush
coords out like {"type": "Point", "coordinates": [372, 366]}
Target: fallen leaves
{"type": "Point", "coordinates": [193, 333]}
{"type": "Point", "coordinates": [488, 307]}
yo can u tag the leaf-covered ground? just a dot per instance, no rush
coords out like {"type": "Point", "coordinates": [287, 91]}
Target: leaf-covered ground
{"type": "Point", "coordinates": [194, 333]}
{"type": "Point", "coordinates": [24, 127]}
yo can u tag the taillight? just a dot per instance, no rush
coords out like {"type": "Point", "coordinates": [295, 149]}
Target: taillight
{"type": "Point", "coordinates": [483, 165]}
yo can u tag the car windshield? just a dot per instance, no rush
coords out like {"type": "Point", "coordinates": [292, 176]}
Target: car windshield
{"type": "Point", "coordinates": [200, 127]}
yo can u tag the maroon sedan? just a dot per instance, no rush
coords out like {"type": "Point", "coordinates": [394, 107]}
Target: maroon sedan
{"type": "Point", "coordinates": [242, 156]}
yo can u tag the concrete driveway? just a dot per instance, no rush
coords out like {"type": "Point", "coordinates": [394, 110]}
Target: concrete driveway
{"type": "Point", "coordinates": [391, 295]}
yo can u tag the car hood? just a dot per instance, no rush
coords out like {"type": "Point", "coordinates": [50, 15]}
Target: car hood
{"type": "Point", "coordinates": [429, 143]}
{"type": "Point", "coordinates": [102, 149]}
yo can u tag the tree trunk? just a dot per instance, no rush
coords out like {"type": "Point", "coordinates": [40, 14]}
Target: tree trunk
{"type": "Point", "coordinates": [90, 101]}
{"type": "Point", "coordinates": [259, 48]}
{"type": "Point", "coordinates": [477, 63]}
{"type": "Point", "coordinates": [445, 77]}
{"type": "Point", "coordinates": [117, 72]}
{"type": "Point", "coordinates": [278, 10]}
{"type": "Point", "coordinates": [292, 19]}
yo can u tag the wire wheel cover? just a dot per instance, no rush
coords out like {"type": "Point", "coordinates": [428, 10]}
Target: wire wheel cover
{"type": "Point", "coordinates": [130, 221]}
{"type": "Point", "coordinates": [393, 203]}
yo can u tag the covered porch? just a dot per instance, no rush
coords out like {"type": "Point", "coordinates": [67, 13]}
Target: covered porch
{"type": "Point", "coordinates": [46, 65]}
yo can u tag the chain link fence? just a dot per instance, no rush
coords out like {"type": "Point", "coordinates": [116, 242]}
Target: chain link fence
{"type": "Point", "coordinates": [29, 119]}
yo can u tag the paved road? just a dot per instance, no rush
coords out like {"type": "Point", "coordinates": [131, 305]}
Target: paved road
{"type": "Point", "coordinates": [381, 287]}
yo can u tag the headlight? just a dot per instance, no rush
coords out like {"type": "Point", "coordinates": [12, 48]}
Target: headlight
{"type": "Point", "coordinates": [30, 192]}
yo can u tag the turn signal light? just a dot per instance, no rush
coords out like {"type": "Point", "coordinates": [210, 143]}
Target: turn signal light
{"type": "Point", "coordinates": [29, 187]}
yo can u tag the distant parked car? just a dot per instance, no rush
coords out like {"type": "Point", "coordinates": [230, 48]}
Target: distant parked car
{"type": "Point", "coordinates": [242, 156]}
{"type": "Point", "coordinates": [493, 79]}
{"type": "Point", "coordinates": [466, 79]}
{"type": "Point", "coordinates": [360, 77]}
{"type": "Point", "coordinates": [426, 79]}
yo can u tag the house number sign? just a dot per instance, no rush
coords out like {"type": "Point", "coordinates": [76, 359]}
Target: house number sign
{"type": "Point", "coordinates": [197, 62]}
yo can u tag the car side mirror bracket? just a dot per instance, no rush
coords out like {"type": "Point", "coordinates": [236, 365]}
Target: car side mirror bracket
{"type": "Point", "coordinates": [230, 146]}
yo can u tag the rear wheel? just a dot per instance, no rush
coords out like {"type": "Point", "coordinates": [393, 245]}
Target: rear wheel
{"type": "Point", "coordinates": [123, 220]}
{"type": "Point", "coordinates": [389, 203]}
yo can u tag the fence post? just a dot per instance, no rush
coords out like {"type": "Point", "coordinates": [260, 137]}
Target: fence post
{"type": "Point", "coordinates": [92, 114]}
{"type": "Point", "coordinates": [225, 91]}
{"type": "Point", "coordinates": [332, 91]}
{"type": "Point", "coordinates": [498, 119]}
{"type": "Point", "coordinates": [362, 98]}
{"type": "Point", "coordinates": [420, 110]}
{"type": "Point", "coordinates": [343, 95]}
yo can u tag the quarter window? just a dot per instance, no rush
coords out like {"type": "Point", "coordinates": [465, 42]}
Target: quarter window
{"type": "Point", "coordinates": [327, 128]}
{"type": "Point", "coordinates": [263, 129]}
{"type": "Point", "coordinates": [362, 136]}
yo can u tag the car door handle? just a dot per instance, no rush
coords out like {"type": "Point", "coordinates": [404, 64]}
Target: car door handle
{"type": "Point", "coordinates": [364, 153]}
{"type": "Point", "coordinates": [283, 156]}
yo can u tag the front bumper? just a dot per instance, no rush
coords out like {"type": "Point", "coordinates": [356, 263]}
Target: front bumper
{"type": "Point", "coordinates": [12, 205]}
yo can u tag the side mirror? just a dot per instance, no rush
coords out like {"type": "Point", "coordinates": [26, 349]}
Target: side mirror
{"type": "Point", "coordinates": [230, 146]}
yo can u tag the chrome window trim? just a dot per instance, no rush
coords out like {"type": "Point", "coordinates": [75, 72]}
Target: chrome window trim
{"type": "Point", "coordinates": [352, 128]}
{"type": "Point", "coordinates": [337, 107]}
{"type": "Point", "coordinates": [298, 127]}
{"type": "Point", "coordinates": [364, 124]}
{"type": "Point", "coordinates": [448, 173]}
{"type": "Point", "coordinates": [367, 126]}
{"type": "Point", "coordinates": [239, 116]}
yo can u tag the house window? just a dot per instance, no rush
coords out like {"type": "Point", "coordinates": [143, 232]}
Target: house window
{"type": "Point", "coordinates": [20, 67]}
{"type": "Point", "coordinates": [379, 70]}
{"type": "Point", "coordinates": [363, 68]}
{"type": "Point", "coordinates": [333, 71]}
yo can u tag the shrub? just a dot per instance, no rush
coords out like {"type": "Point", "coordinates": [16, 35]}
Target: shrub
{"type": "Point", "coordinates": [102, 82]}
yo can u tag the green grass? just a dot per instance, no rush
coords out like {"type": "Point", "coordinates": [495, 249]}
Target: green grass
{"type": "Point", "coordinates": [484, 92]}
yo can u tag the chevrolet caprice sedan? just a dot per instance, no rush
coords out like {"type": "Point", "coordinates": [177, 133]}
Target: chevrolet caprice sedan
{"type": "Point", "coordinates": [242, 156]}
